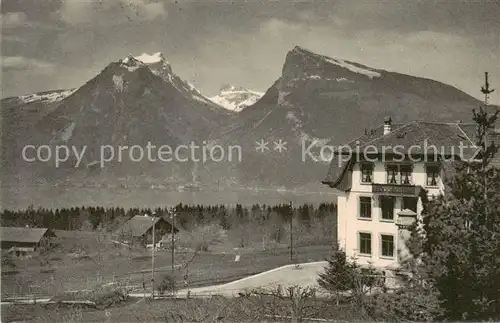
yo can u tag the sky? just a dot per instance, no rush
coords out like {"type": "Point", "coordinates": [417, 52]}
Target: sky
{"type": "Point", "coordinates": [61, 44]}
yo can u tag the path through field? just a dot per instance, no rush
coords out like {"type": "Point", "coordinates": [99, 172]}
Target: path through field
{"type": "Point", "coordinates": [303, 275]}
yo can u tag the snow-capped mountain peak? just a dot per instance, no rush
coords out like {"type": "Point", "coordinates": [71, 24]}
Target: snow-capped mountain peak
{"type": "Point", "coordinates": [236, 98]}
{"type": "Point", "coordinates": [144, 59]}
{"type": "Point", "coordinates": [151, 59]}
{"type": "Point", "coordinates": [159, 66]}
{"type": "Point", "coordinates": [352, 67]}
{"type": "Point", "coordinates": [155, 61]}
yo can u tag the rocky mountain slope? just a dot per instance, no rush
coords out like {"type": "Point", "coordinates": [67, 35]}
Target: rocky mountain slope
{"type": "Point", "coordinates": [325, 101]}
{"type": "Point", "coordinates": [130, 102]}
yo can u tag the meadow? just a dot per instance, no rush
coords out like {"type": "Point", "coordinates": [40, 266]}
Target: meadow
{"type": "Point", "coordinates": [205, 248]}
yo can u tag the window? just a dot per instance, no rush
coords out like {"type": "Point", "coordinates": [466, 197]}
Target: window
{"type": "Point", "coordinates": [392, 174]}
{"type": "Point", "coordinates": [399, 174]}
{"type": "Point", "coordinates": [432, 175]}
{"type": "Point", "coordinates": [365, 243]}
{"type": "Point", "coordinates": [406, 171]}
{"type": "Point", "coordinates": [366, 173]}
{"type": "Point", "coordinates": [365, 207]}
{"type": "Point", "coordinates": [410, 203]}
{"type": "Point", "coordinates": [387, 244]}
{"type": "Point", "coordinates": [387, 203]}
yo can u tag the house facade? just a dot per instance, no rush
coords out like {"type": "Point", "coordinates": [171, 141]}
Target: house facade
{"type": "Point", "coordinates": [381, 181]}
{"type": "Point", "coordinates": [20, 241]}
{"type": "Point", "coordinates": [369, 211]}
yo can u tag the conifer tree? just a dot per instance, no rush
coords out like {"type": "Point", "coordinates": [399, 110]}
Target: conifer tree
{"type": "Point", "coordinates": [459, 251]}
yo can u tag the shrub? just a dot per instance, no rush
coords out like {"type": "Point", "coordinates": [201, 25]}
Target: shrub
{"type": "Point", "coordinates": [105, 297]}
{"type": "Point", "coordinates": [203, 246]}
{"type": "Point", "coordinates": [167, 284]}
{"type": "Point", "coordinates": [343, 275]}
{"type": "Point", "coordinates": [416, 304]}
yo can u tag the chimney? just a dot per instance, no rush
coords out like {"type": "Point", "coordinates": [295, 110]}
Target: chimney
{"type": "Point", "coordinates": [387, 125]}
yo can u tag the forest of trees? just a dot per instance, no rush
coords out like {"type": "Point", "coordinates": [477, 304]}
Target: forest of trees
{"type": "Point", "coordinates": [187, 216]}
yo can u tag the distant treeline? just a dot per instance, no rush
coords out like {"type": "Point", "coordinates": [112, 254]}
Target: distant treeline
{"type": "Point", "coordinates": [187, 216]}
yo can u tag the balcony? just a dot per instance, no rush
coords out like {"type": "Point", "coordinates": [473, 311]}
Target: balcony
{"type": "Point", "coordinates": [396, 189]}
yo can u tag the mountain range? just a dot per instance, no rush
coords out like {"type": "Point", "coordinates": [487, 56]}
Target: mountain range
{"type": "Point", "coordinates": [236, 98]}
{"type": "Point", "coordinates": [136, 100]}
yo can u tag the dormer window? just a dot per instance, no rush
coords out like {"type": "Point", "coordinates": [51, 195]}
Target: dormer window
{"type": "Point", "coordinates": [366, 173]}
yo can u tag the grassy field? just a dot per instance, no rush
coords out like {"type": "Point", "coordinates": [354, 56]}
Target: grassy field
{"type": "Point", "coordinates": [69, 268]}
{"type": "Point", "coordinates": [216, 309]}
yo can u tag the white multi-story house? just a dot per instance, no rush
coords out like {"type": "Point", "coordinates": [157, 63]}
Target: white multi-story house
{"type": "Point", "coordinates": [380, 179]}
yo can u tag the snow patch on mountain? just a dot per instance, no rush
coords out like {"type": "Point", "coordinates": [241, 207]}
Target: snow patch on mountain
{"type": "Point", "coordinates": [356, 69]}
{"type": "Point", "coordinates": [196, 94]}
{"type": "Point", "coordinates": [131, 63]}
{"type": "Point", "coordinates": [371, 73]}
{"type": "Point", "coordinates": [67, 133]}
{"type": "Point", "coordinates": [118, 81]}
{"type": "Point", "coordinates": [129, 60]}
{"type": "Point", "coordinates": [156, 62]}
{"type": "Point", "coordinates": [132, 68]}
{"type": "Point", "coordinates": [236, 98]}
{"type": "Point", "coordinates": [202, 99]}
{"type": "Point", "coordinates": [193, 88]}
{"type": "Point", "coordinates": [343, 79]}
{"type": "Point", "coordinates": [297, 80]}
{"type": "Point", "coordinates": [47, 97]}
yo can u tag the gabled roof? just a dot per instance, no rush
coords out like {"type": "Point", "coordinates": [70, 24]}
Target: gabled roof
{"type": "Point", "coordinates": [23, 234]}
{"type": "Point", "coordinates": [416, 133]}
{"type": "Point", "coordinates": [139, 225]}
{"type": "Point", "coordinates": [339, 165]}
{"type": "Point", "coordinates": [449, 136]}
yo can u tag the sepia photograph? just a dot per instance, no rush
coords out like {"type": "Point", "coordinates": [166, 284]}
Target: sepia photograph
{"type": "Point", "coordinates": [250, 161]}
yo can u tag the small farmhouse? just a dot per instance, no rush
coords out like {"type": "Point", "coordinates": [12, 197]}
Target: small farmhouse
{"type": "Point", "coordinates": [139, 229]}
{"type": "Point", "coordinates": [23, 240]}
{"type": "Point", "coordinates": [381, 178]}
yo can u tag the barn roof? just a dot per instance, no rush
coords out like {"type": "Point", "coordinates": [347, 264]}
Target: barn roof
{"type": "Point", "coordinates": [23, 234]}
{"type": "Point", "coordinates": [140, 224]}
